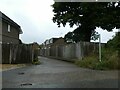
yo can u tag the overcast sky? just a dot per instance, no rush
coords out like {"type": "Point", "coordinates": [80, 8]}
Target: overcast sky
{"type": "Point", "coordinates": [35, 19]}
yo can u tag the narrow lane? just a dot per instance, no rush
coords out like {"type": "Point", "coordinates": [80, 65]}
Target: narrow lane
{"type": "Point", "coordinates": [58, 74]}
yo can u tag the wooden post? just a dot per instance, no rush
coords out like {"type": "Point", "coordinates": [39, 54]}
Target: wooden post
{"type": "Point", "coordinates": [10, 56]}
{"type": "Point", "coordinates": [99, 48]}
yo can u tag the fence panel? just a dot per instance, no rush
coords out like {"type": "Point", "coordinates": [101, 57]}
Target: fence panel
{"type": "Point", "coordinates": [0, 53]}
{"type": "Point", "coordinates": [60, 51]}
{"type": "Point", "coordinates": [53, 51]}
{"type": "Point", "coordinates": [71, 51]}
{"type": "Point", "coordinates": [14, 53]}
{"type": "Point", "coordinates": [79, 52]}
{"type": "Point", "coordinates": [5, 53]}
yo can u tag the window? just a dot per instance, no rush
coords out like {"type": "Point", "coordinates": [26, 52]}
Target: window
{"type": "Point", "coordinates": [47, 42]}
{"type": "Point", "coordinates": [8, 28]}
{"type": "Point", "coordinates": [51, 40]}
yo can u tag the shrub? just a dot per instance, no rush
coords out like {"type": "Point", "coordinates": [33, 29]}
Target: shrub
{"type": "Point", "coordinates": [36, 61]}
{"type": "Point", "coordinates": [87, 62]}
{"type": "Point", "coordinates": [101, 66]}
{"type": "Point", "coordinates": [109, 61]}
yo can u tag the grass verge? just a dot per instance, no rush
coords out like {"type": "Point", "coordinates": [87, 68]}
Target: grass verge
{"type": "Point", "coordinates": [110, 61]}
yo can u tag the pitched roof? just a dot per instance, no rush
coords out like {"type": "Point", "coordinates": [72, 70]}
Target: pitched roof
{"type": "Point", "coordinates": [10, 21]}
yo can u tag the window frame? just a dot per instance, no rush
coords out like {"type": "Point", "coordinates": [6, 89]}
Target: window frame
{"type": "Point", "coordinates": [9, 28]}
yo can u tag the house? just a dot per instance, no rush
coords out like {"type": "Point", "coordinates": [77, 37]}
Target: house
{"type": "Point", "coordinates": [50, 46]}
{"type": "Point", "coordinates": [35, 45]}
{"type": "Point", "coordinates": [9, 30]}
{"type": "Point", "coordinates": [54, 42]}
{"type": "Point", "coordinates": [57, 41]}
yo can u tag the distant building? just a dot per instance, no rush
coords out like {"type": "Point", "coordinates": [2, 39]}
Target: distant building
{"type": "Point", "coordinates": [9, 30]}
{"type": "Point", "coordinates": [35, 45]}
{"type": "Point", "coordinates": [53, 42]}
{"type": "Point", "coordinates": [50, 45]}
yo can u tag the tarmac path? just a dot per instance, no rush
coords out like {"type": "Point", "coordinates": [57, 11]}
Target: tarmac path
{"type": "Point", "coordinates": [53, 73]}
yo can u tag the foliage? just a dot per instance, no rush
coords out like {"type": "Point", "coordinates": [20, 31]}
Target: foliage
{"type": "Point", "coordinates": [115, 42]}
{"type": "Point", "coordinates": [36, 61]}
{"type": "Point", "coordinates": [69, 37]}
{"type": "Point", "coordinates": [86, 16]}
{"type": "Point", "coordinates": [110, 58]}
{"type": "Point", "coordinates": [87, 62]}
{"type": "Point", "coordinates": [109, 61]}
{"type": "Point", "coordinates": [94, 36]}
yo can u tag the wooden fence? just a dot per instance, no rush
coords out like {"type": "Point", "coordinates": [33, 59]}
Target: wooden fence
{"type": "Point", "coordinates": [14, 53]}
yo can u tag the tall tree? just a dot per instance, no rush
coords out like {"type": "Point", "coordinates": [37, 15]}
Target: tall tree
{"type": "Point", "coordinates": [87, 16]}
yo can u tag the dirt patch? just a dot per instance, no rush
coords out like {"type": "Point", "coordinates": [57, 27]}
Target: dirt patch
{"type": "Point", "coordinates": [10, 66]}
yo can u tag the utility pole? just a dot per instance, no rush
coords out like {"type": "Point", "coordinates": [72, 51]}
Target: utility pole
{"type": "Point", "coordinates": [99, 47]}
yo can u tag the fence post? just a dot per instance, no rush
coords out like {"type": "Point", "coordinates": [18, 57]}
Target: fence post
{"type": "Point", "coordinates": [0, 53]}
{"type": "Point", "coordinates": [10, 56]}
{"type": "Point", "coordinates": [15, 53]}
{"type": "Point", "coordinates": [99, 47]}
{"type": "Point", "coordinates": [56, 51]}
{"type": "Point", "coordinates": [32, 54]}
